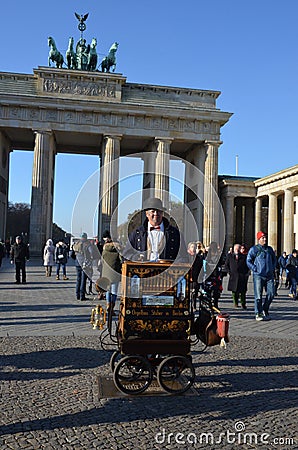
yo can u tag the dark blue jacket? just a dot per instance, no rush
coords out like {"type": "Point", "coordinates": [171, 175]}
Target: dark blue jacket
{"type": "Point", "coordinates": [261, 260]}
{"type": "Point", "coordinates": [282, 261]}
{"type": "Point", "coordinates": [137, 244]}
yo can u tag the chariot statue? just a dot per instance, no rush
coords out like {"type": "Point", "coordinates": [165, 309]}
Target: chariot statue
{"type": "Point", "coordinates": [83, 56]}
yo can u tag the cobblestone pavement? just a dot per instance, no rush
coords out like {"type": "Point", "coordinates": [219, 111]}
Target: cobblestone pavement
{"type": "Point", "coordinates": [245, 395]}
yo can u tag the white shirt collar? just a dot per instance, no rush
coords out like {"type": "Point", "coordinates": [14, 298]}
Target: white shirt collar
{"type": "Point", "coordinates": [162, 227]}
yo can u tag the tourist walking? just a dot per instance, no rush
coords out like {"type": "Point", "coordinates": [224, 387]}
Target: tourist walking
{"type": "Point", "coordinates": [261, 260]}
{"type": "Point", "coordinates": [61, 257]}
{"type": "Point", "coordinates": [83, 260]}
{"type": "Point", "coordinates": [213, 274]}
{"type": "Point", "coordinates": [49, 257]}
{"type": "Point", "coordinates": [106, 237]}
{"type": "Point", "coordinates": [282, 262]}
{"type": "Point", "coordinates": [292, 267]}
{"type": "Point", "coordinates": [196, 257]}
{"type": "Point", "coordinates": [238, 271]}
{"type": "Point", "coordinates": [111, 269]}
{"type": "Point", "coordinates": [19, 254]}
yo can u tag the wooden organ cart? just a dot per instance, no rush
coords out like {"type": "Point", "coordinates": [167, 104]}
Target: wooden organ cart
{"type": "Point", "coordinates": [154, 328]}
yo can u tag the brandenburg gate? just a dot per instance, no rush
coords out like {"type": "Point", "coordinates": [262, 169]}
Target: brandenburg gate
{"type": "Point", "coordinates": [57, 110]}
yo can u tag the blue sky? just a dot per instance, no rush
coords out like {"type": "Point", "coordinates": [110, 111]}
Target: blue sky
{"type": "Point", "coordinates": [248, 50]}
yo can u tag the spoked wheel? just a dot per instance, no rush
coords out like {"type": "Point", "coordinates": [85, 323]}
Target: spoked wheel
{"type": "Point", "coordinates": [132, 374]}
{"type": "Point", "coordinates": [176, 374]}
{"type": "Point", "coordinates": [115, 358]}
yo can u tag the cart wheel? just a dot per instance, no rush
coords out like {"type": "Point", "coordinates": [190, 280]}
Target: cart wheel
{"type": "Point", "coordinates": [176, 374]}
{"type": "Point", "coordinates": [115, 358]}
{"type": "Point", "coordinates": [132, 374]}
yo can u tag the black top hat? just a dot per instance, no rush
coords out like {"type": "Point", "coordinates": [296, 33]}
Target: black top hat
{"type": "Point", "coordinates": [153, 203]}
{"type": "Point", "coordinates": [106, 234]}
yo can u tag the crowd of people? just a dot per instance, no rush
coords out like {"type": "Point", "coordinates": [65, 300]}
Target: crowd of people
{"type": "Point", "coordinates": [157, 239]}
{"type": "Point", "coordinates": [269, 272]}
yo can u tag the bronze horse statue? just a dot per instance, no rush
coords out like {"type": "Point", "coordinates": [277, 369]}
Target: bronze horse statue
{"type": "Point", "coordinates": [109, 60]}
{"type": "Point", "coordinates": [54, 55]}
{"type": "Point", "coordinates": [92, 56]}
{"type": "Point", "coordinates": [71, 56]}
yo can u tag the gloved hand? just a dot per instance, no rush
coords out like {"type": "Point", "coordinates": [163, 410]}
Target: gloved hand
{"type": "Point", "coordinates": [11, 261]}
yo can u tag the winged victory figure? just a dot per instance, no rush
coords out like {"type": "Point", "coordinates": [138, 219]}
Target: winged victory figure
{"type": "Point", "coordinates": [82, 18]}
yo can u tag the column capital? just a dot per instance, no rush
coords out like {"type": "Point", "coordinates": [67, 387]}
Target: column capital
{"type": "Point", "coordinates": [43, 131]}
{"type": "Point", "coordinates": [117, 137]}
{"type": "Point", "coordinates": [166, 140]}
{"type": "Point", "coordinates": [213, 143]}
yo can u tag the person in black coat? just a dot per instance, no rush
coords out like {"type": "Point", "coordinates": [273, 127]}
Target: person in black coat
{"type": "Point", "coordinates": [292, 267]}
{"type": "Point", "coordinates": [156, 238]}
{"type": "Point", "coordinates": [213, 273]}
{"type": "Point", "coordinates": [196, 260]}
{"type": "Point", "coordinates": [238, 271]}
{"type": "Point", "coordinates": [19, 255]}
{"type": "Point", "coordinates": [61, 258]}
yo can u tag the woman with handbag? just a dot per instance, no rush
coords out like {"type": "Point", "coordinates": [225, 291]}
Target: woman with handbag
{"type": "Point", "coordinates": [61, 257]}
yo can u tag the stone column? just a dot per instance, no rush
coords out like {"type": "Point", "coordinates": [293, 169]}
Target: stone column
{"type": "Point", "coordinates": [229, 216]}
{"type": "Point", "coordinates": [258, 216]}
{"type": "Point", "coordinates": [149, 159]}
{"type": "Point", "coordinates": [272, 221]}
{"type": "Point", "coordinates": [162, 170]}
{"type": "Point", "coordinates": [109, 182]}
{"type": "Point", "coordinates": [194, 192]}
{"type": "Point", "coordinates": [5, 148]}
{"type": "Point", "coordinates": [41, 216]}
{"type": "Point", "coordinates": [288, 217]}
{"type": "Point", "coordinates": [211, 230]}
{"type": "Point", "coordinates": [99, 228]}
{"type": "Point", "coordinates": [249, 222]}
{"type": "Point", "coordinates": [239, 220]}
